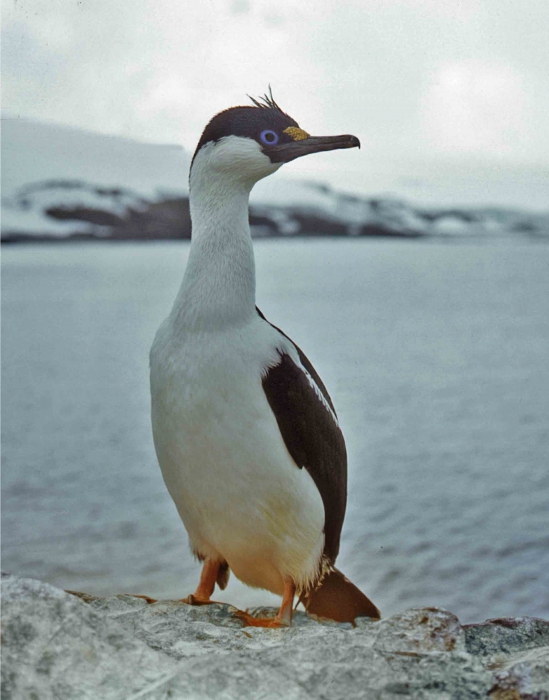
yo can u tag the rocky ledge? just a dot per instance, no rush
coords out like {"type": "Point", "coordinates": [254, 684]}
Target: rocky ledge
{"type": "Point", "coordinates": [57, 645]}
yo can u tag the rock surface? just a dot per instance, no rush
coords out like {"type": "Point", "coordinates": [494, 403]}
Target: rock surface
{"type": "Point", "coordinates": [57, 645]}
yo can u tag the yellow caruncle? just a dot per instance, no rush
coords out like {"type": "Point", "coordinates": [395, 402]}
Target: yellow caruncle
{"type": "Point", "coordinates": [296, 133]}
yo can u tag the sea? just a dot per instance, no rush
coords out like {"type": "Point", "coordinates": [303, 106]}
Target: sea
{"type": "Point", "coordinates": [435, 352]}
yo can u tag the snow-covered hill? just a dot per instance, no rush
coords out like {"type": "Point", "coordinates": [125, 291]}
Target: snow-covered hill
{"type": "Point", "coordinates": [48, 169]}
{"type": "Point", "coordinates": [64, 182]}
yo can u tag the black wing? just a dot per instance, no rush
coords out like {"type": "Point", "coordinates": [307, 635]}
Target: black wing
{"type": "Point", "coordinates": [308, 424]}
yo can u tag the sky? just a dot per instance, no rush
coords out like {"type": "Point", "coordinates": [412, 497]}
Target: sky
{"type": "Point", "coordinates": [432, 88]}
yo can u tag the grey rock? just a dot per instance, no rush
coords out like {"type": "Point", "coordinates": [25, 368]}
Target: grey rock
{"type": "Point", "coordinates": [57, 645]}
{"type": "Point", "coordinates": [507, 635]}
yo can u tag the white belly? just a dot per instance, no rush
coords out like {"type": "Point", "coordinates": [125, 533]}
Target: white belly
{"type": "Point", "coordinates": [237, 490]}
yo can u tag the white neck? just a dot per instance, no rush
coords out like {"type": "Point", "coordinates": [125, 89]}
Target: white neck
{"type": "Point", "coordinates": [218, 287]}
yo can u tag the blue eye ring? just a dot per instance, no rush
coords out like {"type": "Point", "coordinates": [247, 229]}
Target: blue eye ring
{"type": "Point", "coordinates": [269, 137]}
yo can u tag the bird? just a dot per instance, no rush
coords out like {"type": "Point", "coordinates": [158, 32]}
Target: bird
{"type": "Point", "coordinates": [245, 432]}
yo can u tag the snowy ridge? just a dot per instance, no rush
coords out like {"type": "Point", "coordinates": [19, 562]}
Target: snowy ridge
{"type": "Point", "coordinates": [60, 182]}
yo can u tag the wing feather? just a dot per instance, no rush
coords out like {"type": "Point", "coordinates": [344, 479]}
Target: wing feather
{"type": "Point", "coordinates": [308, 424]}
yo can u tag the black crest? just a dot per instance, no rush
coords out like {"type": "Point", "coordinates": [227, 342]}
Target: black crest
{"type": "Point", "coordinates": [267, 102]}
{"type": "Point", "coordinates": [249, 121]}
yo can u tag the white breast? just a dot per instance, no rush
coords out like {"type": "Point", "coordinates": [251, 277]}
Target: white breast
{"type": "Point", "coordinates": [239, 493]}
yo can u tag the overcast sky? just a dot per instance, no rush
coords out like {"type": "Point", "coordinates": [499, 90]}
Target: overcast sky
{"type": "Point", "coordinates": [425, 81]}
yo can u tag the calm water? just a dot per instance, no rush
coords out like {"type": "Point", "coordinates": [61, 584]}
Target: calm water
{"type": "Point", "coordinates": [436, 356]}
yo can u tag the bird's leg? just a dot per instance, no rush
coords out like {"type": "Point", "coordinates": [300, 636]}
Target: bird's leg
{"type": "Point", "coordinates": [206, 586]}
{"type": "Point", "coordinates": [282, 619]}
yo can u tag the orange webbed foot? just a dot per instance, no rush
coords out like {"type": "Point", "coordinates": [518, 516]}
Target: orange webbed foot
{"type": "Point", "coordinates": [269, 622]}
{"type": "Point", "coordinates": [147, 598]}
{"type": "Point", "coordinates": [282, 619]}
{"type": "Point", "coordinates": [193, 600]}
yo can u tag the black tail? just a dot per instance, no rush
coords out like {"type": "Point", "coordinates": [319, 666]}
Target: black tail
{"type": "Point", "coordinates": [336, 598]}
{"type": "Point", "coordinates": [223, 576]}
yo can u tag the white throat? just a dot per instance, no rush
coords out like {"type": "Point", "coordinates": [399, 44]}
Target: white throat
{"type": "Point", "coordinates": [218, 287]}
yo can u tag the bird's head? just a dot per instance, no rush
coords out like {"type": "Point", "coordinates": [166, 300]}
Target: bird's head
{"type": "Point", "coordinates": [248, 143]}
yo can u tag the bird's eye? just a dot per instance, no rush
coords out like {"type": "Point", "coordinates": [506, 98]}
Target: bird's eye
{"type": "Point", "coordinates": [270, 138]}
